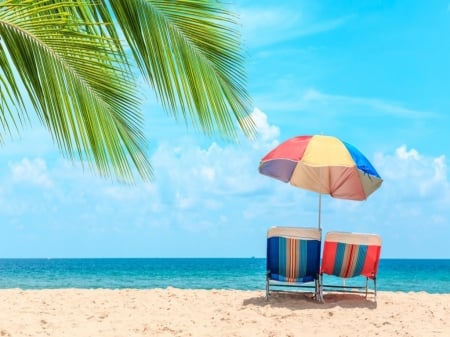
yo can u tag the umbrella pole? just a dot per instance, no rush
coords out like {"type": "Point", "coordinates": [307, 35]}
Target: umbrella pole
{"type": "Point", "coordinates": [320, 195]}
{"type": "Point", "coordinates": [320, 207]}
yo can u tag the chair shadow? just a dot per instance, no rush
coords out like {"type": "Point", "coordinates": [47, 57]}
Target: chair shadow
{"type": "Point", "coordinates": [297, 300]}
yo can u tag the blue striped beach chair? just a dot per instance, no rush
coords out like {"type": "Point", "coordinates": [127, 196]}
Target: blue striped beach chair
{"type": "Point", "coordinates": [348, 255]}
{"type": "Point", "coordinates": [293, 259]}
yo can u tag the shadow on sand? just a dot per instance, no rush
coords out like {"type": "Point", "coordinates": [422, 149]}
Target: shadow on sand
{"type": "Point", "coordinates": [302, 300]}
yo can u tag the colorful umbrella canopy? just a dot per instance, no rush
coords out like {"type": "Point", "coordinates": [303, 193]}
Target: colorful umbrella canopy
{"type": "Point", "coordinates": [323, 164]}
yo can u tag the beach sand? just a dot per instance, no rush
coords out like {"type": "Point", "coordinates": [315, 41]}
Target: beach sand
{"type": "Point", "coordinates": [177, 312]}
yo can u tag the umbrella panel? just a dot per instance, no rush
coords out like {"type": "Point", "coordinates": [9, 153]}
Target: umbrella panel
{"type": "Point", "coordinates": [338, 181]}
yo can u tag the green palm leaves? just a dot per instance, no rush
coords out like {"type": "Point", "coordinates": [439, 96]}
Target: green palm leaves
{"type": "Point", "coordinates": [66, 58]}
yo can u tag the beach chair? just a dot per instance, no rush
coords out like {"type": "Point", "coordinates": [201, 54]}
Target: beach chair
{"type": "Point", "coordinates": [348, 255]}
{"type": "Point", "coordinates": [293, 259]}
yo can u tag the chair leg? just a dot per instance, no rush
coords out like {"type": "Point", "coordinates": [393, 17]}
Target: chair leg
{"type": "Point", "coordinates": [267, 289]}
{"type": "Point", "coordinates": [317, 294]}
{"type": "Point", "coordinates": [375, 288]}
{"type": "Point", "coordinates": [367, 286]}
{"type": "Point", "coordinates": [320, 286]}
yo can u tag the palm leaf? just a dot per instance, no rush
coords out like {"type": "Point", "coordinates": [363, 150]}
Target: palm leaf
{"type": "Point", "coordinates": [11, 103]}
{"type": "Point", "coordinates": [77, 81]}
{"type": "Point", "coordinates": [190, 51]}
{"type": "Point", "coordinates": [65, 57]}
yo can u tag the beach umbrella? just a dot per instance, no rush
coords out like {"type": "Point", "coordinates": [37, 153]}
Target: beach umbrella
{"type": "Point", "coordinates": [323, 164]}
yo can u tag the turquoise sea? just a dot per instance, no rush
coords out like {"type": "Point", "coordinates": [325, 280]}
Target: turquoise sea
{"type": "Point", "coordinates": [432, 276]}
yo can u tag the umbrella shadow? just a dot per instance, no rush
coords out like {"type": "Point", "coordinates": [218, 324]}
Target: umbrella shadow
{"type": "Point", "coordinates": [303, 301]}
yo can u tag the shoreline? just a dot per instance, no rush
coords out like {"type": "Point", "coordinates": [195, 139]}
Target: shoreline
{"type": "Point", "coordinates": [187, 312]}
{"type": "Point", "coordinates": [294, 291]}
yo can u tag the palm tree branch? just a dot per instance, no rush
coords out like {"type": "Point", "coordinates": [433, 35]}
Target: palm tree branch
{"type": "Point", "coordinates": [191, 53]}
{"type": "Point", "coordinates": [79, 86]}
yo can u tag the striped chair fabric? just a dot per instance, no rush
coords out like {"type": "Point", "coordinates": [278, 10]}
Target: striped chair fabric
{"type": "Point", "coordinates": [351, 254]}
{"type": "Point", "coordinates": [293, 255]}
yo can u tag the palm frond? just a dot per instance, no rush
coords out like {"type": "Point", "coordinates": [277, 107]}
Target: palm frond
{"type": "Point", "coordinates": [191, 53]}
{"type": "Point", "coordinates": [11, 102]}
{"type": "Point", "coordinates": [66, 58]}
{"type": "Point", "coordinates": [78, 81]}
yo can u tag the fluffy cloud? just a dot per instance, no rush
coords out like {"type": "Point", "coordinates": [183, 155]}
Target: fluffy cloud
{"type": "Point", "coordinates": [267, 133]}
{"type": "Point", "coordinates": [414, 175]}
{"type": "Point", "coordinates": [215, 191]}
{"type": "Point", "coordinates": [32, 172]}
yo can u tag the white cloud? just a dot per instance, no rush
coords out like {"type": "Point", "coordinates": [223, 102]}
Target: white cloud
{"type": "Point", "coordinates": [266, 132]}
{"type": "Point", "coordinates": [31, 172]}
{"type": "Point", "coordinates": [350, 105]}
{"type": "Point", "coordinates": [208, 173]}
{"type": "Point", "coordinates": [194, 171]}
{"type": "Point", "coordinates": [183, 202]}
{"type": "Point", "coordinates": [410, 175]}
{"type": "Point", "coordinates": [330, 104]}
{"type": "Point", "coordinates": [216, 191]}
{"type": "Point", "coordinates": [437, 181]}
{"type": "Point", "coordinates": [265, 26]}
{"type": "Point", "coordinates": [38, 136]}
{"type": "Point", "coordinates": [415, 186]}
{"type": "Point", "coordinates": [440, 172]}
{"type": "Point", "coordinates": [403, 153]}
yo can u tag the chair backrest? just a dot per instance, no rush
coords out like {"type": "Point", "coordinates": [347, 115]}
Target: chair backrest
{"type": "Point", "coordinates": [351, 254]}
{"type": "Point", "coordinates": [293, 254]}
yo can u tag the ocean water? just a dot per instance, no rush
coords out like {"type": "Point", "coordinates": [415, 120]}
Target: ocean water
{"type": "Point", "coordinates": [432, 276]}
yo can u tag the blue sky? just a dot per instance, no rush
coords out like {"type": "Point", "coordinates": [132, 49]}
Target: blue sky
{"type": "Point", "coordinates": [374, 74]}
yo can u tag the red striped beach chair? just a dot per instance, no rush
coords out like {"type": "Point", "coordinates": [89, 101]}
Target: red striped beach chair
{"type": "Point", "coordinates": [348, 255]}
{"type": "Point", "coordinates": [293, 259]}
